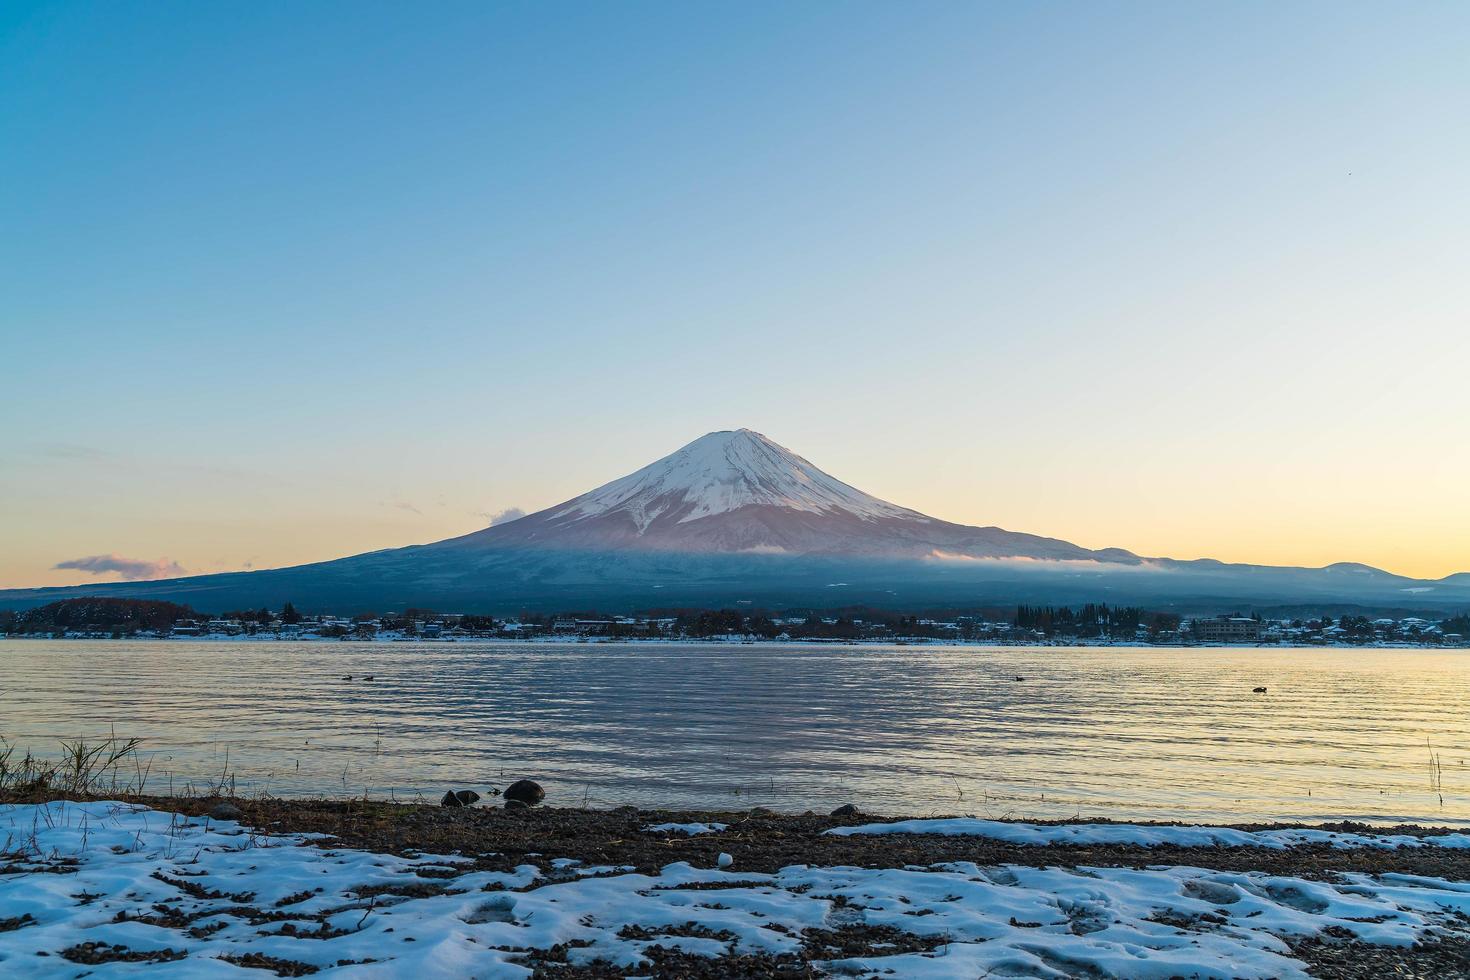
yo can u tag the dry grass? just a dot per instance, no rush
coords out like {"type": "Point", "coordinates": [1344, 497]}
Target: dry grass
{"type": "Point", "coordinates": [110, 765]}
{"type": "Point", "coordinates": [113, 767]}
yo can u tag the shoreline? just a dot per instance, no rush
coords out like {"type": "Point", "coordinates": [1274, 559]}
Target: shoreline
{"type": "Point", "coordinates": [762, 836]}
{"type": "Point", "coordinates": [718, 642]}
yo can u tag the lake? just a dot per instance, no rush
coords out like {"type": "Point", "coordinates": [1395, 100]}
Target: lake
{"type": "Point", "coordinates": [1102, 732]}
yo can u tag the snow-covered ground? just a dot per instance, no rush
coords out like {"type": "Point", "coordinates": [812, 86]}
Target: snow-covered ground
{"type": "Point", "coordinates": [1147, 836]}
{"type": "Point", "coordinates": [152, 881]}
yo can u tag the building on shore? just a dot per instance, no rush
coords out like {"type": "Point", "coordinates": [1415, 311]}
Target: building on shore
{"type": "Point", "coordinates": [1227, 629]}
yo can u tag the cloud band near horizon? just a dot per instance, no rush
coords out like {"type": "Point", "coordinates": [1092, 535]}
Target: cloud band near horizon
{"type": "Point", "coordinates": [128, 569]}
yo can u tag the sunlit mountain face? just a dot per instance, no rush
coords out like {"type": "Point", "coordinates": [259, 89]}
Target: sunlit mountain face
{"type": "Point", "coordinates": [738, 492]}
{"type": "Point", "coordinates": [733, 517]}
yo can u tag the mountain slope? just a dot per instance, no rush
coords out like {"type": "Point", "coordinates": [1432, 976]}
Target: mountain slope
{"type": "Point", "coordinates": [733, 517]}
{"type": "Point", "coordinates": [738, 492]}
{"type": "Point", "coordinates": [723, 472]}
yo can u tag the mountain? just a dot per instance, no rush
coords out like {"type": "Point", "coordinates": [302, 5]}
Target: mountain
{"type": "Point", "coordinates": [735, 518]}
{"type": "Point", "coordinates": [740, 493]}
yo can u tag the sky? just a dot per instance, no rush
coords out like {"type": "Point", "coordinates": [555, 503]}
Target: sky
{"type": "Point", "coordinates": [285, 282]}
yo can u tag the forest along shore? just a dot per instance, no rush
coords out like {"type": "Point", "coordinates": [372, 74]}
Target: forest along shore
{"type": "Point", "coordinates": [299, 886]}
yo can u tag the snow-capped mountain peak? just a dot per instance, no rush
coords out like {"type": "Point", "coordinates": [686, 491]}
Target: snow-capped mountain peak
{"type": "Point", "coordinates": [739, 493]}
{"type": "Point", "coordinates": [723, 472]}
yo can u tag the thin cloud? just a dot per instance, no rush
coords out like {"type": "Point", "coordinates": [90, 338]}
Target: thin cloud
{"type": "Point", "coordinates": [128, 569]}
{"type": "Point", "coordinates": [67, 450]}
{"type": "Point", "coordinates": [1024, 563]}
{"type": "Point", "coordinates": [505, 516]}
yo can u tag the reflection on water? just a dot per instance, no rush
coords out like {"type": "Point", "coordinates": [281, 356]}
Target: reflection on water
{"type": "Point", "coordinates": [1121, 733]}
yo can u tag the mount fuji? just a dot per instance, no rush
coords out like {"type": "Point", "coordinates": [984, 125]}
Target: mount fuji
{"type": "Point", "coordinates": [740, 493]}
{"type": "Point", "coordinates": [735, 518]}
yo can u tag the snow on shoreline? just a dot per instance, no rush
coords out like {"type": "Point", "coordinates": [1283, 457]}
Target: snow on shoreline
{"type": "Point", "coordinates": [1147, 836]}
{"type": "Point", "coordinates": [688, 829]}
{"type": "Point", "coordinates": [149, 880]}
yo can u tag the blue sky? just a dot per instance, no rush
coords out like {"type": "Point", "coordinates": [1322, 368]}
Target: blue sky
{"type": "Point", "coordinates": [280, 282]}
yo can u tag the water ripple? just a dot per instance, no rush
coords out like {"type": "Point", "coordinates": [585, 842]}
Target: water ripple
{"type": "Point", "coordinates": [1124, 733]}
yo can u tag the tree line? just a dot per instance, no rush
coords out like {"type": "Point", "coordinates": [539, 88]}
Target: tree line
{"type": "Point", "coordinates": [1093, 619]}
{"type": "Point", "coordinates": [109, 615]}
{"type": "Point", "coordinates": [125, 616]}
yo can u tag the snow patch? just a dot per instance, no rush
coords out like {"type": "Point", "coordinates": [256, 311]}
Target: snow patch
{"type": "Point", "coordinates": [1119, 833]}
{"type": "Point", "coordinates": [689, 829]}
{"type": "Point", "coordinates": [724, 471]}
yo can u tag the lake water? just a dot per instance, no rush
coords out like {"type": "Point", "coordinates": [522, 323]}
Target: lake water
{"type": "Point", "coordinates": [1112, 732]}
